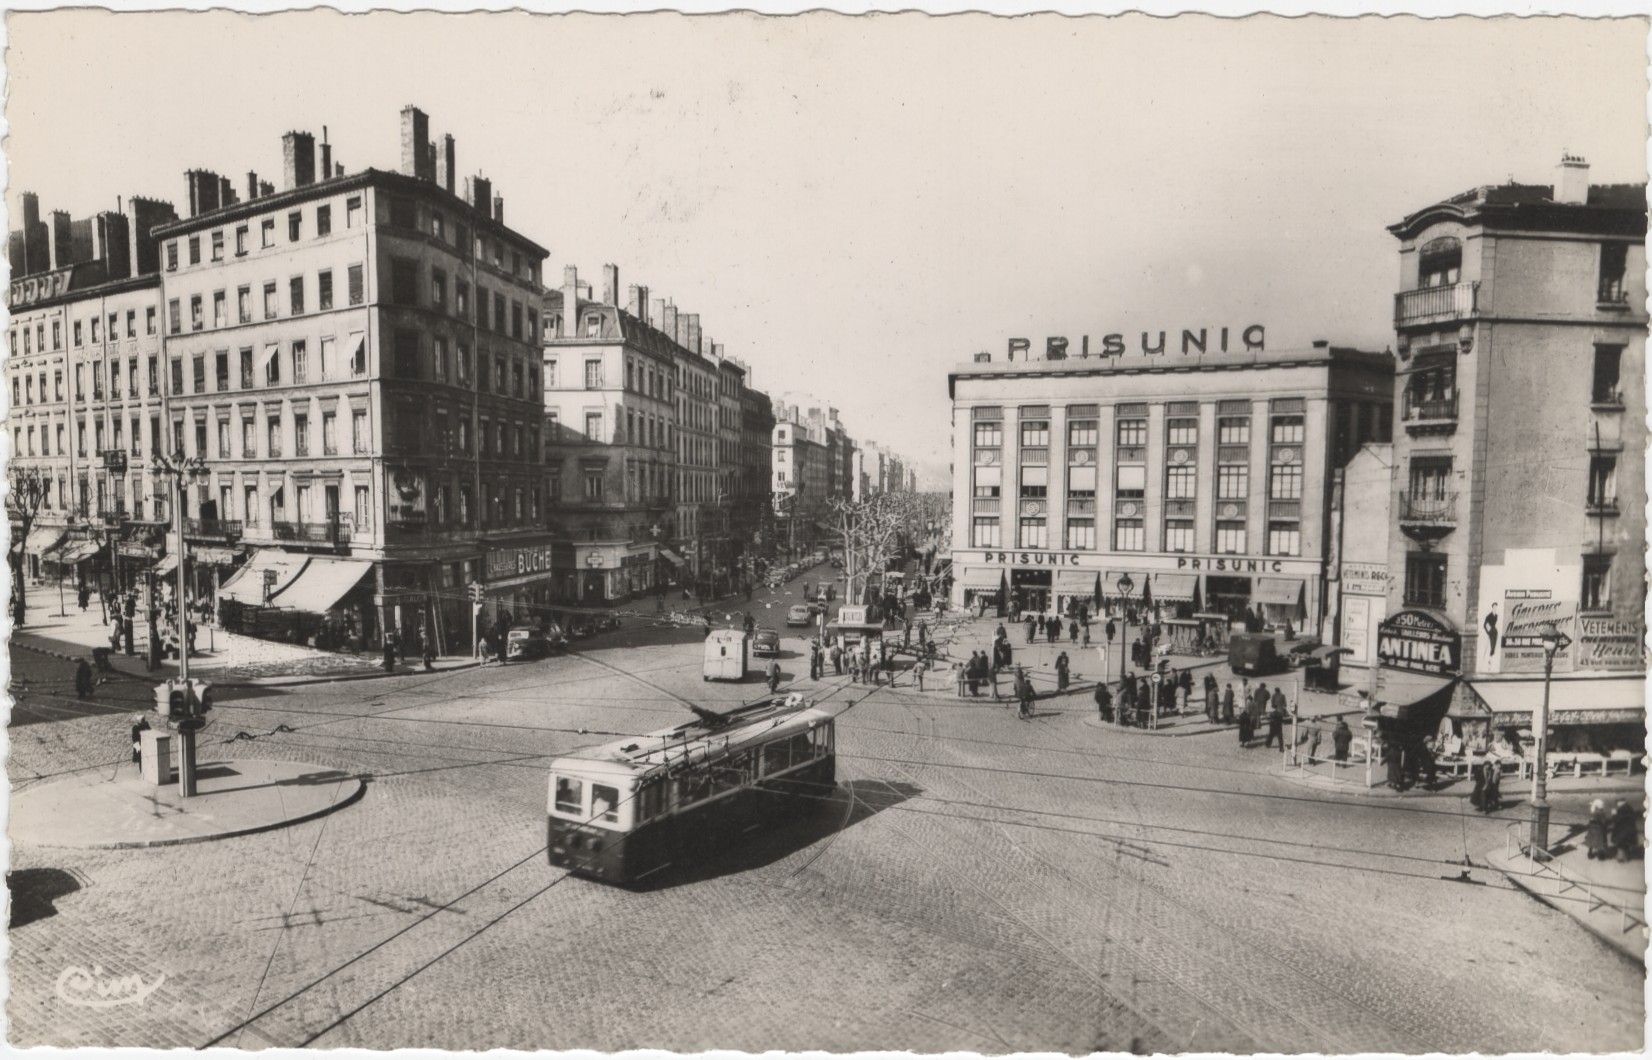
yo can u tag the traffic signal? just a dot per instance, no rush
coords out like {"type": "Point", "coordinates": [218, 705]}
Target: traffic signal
{"type": "Point", "coordinates": [476, 592]}
{"type": "Point", "coordinates": [178, 700]}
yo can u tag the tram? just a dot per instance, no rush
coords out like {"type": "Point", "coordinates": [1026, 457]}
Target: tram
{"type": "Point", "coordinates": [628, 809]}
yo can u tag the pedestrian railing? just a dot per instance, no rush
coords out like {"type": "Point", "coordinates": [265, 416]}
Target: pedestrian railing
{"type": "Point", "coordinates": [1304, 757]}
{"type": "Point", "coordinates": [1544, 876]}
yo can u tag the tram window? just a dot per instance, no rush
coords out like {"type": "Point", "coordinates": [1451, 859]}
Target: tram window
{"type": "Point", "coordinates": [692, 788]}
{"type": "Point", "coordinates": [776, 757]}
{"type": "Point", "coordinates": [570, 795]}
{"type": "Point", "coordinates": [604, 803]}
{"type": "Point", "coordinates": [650, 802]}
{"type": "Point", "coordinates": [801, 749]}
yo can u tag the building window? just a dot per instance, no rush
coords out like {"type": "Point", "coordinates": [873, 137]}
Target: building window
{"type": "Point", "coordinates": [1288, 430]}
{"type": "Point", "coordinates": [1284, 539]}
{"type": "Point", "coordinates": [1132, 433]}
{"type": "Point", "coordinates": [1035, 433]}
{"type": "Point", "coordinates": [246, 368]}
{"type": "Point", "coordinates": [352, 211]}
{"type": "Point", "coordinates": [220, 309]}
{"type": "Point", "coordinates": [1129, 535]}
{"type": "Point", "coordinates": [358, 431]}
{"type": "Point", "coordinates": [988, 435]}
{"type": "Point", "coordinates": [324, 289]}
{"type": "Point", "coordinates": [1035, 482]}
{"type": "Point", "coordinates": [301, 437]}
{"type": "Point", "coordinates": [177, 376]}
{"type": "Point", "coordinates": [353, 279]}
{"type": "Point", "coordinates": [243, 304]}
{"type": "Point", "coordinates": [324, 217]}
{"type": "Point", "coordinates": [1180, 482]}
{"type": "Point", "coordinates": [1430, 477]}
{"type": "Point", "coordinates": [1230, 537]}
{"type": "Point", "coordinates": [1081, 533]}
{"type": "Point", "coordinates": [301, 361]}
{"type": "Point", "coordinates": [1034, 533]}
{"type": "Point", "coordinates": [266, 233]}
{"type": "Point", "coordinates": [194, 250]}
{"type": "Point", "coordinates": [223, 439]}
{"type": "Point", "coordinates": [461, 299]}
{"type": "Point", "coordinates": [249, 437]}
{"type": "Point", "coordinates": [220, 365]}
{"type": "Point", "coordinates": [171, 260]}
{"type": "Point", "coordinates": [438, 289]}
{"type": "Point", "coordinates": [593, 426]}
{"type": "Point", "coordinates": [1440, 263]}
{"type": "Point", "coordinates": [1597, 584]}
{"type": "Point", "coordinates": [272, 364]}
{"type": "Point", "coordinates": [407, 354]}
{"type": "Point", "coordinates": [358, 353]}
{"type": "Point", "coordinates": [295, 295]}
{"type": "Point", "coordinates": [148, 321]}
{"type": "Point", "coordinates": [197, 315]}
{"type": "Point", "coordinates": [1232, 482]}
{"type": "Point", "coordinates": [295, 225]}
{"type": "Point", "coordinates": [1081, 433]}
{"type": "Point", "coordinates": [1178, 535]}
{"type": "Point", "coordinates": [1425, 579]}
{"type": "Point", "coordinates": [593, 375]}
{"type": "Point", "coordinates": [1603, 486]}
{"type": "Point", "coordinates": [593, 485]}
{"type": "Point", "coordinates": [1608, 368]}
{"type": "Point", "coordinates": [241, 241]}
{"type": "Point", "coordinates": [270, 306]}
{"type": "Point", "coordinates": [404, 281]}
{"type": "Point", "coordinates": [1182, 432]}
{"type": "Point", "coordinates": [1132, 481]}
{"type": "Point", "coordinates": [988, 480]}
{"type": "Point", "coordinates": [218, 245]}
{"type": "Point", "coordinates": [1614, 266]}
{"type": "Point", "coordinates": [1233, 430]}
{"type": "Point", "coordinates": [1285, 482]}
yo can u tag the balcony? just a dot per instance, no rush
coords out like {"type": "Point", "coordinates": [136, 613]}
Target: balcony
{"type": "Point", "coordinates": [212, 529]}
{"type": "Point", "coordinates": [1601, 506]}
{"type": "Point", "coordinates": [1429, 516]}
{"type": "Point", "coordinates": [1428, 415]}
{"type": "Point", "coordinates": [1613, 294]}
{"type": "Point", "coordinates": [1607, 399]}
{"type": "Point", "coordinates": [1436, 305]}
{"type": "Point", "coordinates": [112, 516]}
{"type": "Point", "coordinates": [329, 533]}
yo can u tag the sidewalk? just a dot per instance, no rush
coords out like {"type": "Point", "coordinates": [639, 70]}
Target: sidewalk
{"type": "Point", "coordinates": [227, 659]}
{"type": "Point", "coordinates": [1608, 898]}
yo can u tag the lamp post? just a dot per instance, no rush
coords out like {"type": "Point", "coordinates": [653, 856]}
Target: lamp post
{"type": "Point", "coordinates": [178, 467]}
{"type": "Point", "coordinates": [1125, 584]}
{"type": "Point", "coordinates": [1553, 641]}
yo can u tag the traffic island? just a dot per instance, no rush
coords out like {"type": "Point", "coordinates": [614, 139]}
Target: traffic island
{"type": "Point", "coordinates": [235, 797]}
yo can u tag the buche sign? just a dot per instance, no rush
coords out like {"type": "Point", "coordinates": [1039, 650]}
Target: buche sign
{"type": "Point", "coordinates": [513, 562]}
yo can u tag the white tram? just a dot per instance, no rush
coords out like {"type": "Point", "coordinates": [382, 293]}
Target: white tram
{"type": "Point", "coordinates": [627, 809]}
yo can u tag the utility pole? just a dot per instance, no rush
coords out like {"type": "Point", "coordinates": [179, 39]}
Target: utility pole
{"type": "Point", "coordinates": [177, 467]}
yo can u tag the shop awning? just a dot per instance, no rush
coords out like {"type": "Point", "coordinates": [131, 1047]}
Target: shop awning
{"type": "Point", "coordinates": [247, 585]}
{"type": "Point", "coordinates": [322, 584]}
{"type": "Point", "coordinates": [166, 564]}
{"type": "Point", "coordinates": [1409, 696]}
{"type": "Point", "coordinates": [75, 552]}
{"type": "Point", "coordinates": [1576, 701]}
{"type": "Point", "coordinates": [1110, 583]}
{"type": "Point", "coordinates": [978, 578]}
{"type": "Point", "coordinates": [42, 539]}
{"type": "Point", "coordinates": [671, 557]}
{"type": "Point", "coordinates": [1175, 588]}
{"type": "Point", "coordinates": [1076, 581]}
{"type": "Point", "coordinates": [1284, 592]}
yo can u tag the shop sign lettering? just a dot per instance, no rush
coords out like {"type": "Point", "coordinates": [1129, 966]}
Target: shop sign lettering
{"type": "Point", "coordinates": [1202, 341]}
{"type": "Point", "coordinates": [32, 289]}
{"type": "Point", "coordinates": [1609, 644]}
{"type": "Point", "coordinates": [1525, 612]}
{"type": "Point", "coordinates": [1365, 579]}
{"type": "Point", "coordinates": [1416, 641]}
{"type": "Point", "coordinates": [1230, 563]}
{"type": "Point", "coordinates": [514, 562]}
{"type": "Point", "coordinates": [1033, 559]}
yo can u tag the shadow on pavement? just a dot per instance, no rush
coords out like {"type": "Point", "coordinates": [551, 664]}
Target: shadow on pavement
{"type": "Point", "coordinates": [34, 893]}
{"type": "Point", "coordinates": [766, 843]}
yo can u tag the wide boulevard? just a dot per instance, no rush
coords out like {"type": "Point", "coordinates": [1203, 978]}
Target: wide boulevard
{"type": "Point", "coordinates": [977, 883]}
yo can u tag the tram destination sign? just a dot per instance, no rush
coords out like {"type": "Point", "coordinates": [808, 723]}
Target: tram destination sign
{"type": "Point", "coordinates": [1419, 642]}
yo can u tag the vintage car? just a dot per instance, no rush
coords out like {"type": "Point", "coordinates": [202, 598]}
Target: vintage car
{"type": "Point", "coordinates": [798, 615]}
{"type": "Point", "coordinates": [765, 642]}
{"type": "Point", "coordinates": [526, 643]}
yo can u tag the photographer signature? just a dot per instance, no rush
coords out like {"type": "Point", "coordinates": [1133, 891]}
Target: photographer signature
{"type": "Point", "coordinates": [89, 989]}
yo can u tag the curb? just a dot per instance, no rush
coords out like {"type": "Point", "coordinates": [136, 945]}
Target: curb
{"type": "Point", "coordinates": [1494, 860]}
{"type": "Point", "coordinates": [1097, 723]}
{"type": "Point", "coordinates": [145, 844]}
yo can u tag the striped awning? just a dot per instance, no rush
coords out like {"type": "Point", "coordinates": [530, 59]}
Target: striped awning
{"type": "Point", "coordinates": [979, 578]}
{"type": "Point", "coordinates": [1175, 588]}
{"type": "Point", "coordinates": [74, 552]}
{"type": "Point", "coordinates": [1076, 581]}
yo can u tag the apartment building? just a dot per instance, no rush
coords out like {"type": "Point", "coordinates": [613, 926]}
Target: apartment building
{"type": "Point", "coordinates": [354, 356]}
{"type": "Point", "coordinates": [802, 477]}
{"type": "Point", "coordinates": [1204, 476]}
{"type": "Point", "coordinates": [753, 519]}
{"type": "Point", "coordinates": [1519, 471]}
{"type": "Point", "coordinates": [86, 409]}
{"type": "Point", "coordinates": [701, 530]}
{"type": "Point", "coordinates": [610, 441]}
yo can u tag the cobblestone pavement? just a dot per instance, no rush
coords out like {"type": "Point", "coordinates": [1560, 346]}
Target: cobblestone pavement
{"type": "Point", "coordinates": [976, 883]}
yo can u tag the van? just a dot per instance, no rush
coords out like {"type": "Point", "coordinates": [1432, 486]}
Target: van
{"type": "Point", "coordinates": [725, 656]}
{"type": "Point", "coordinates": [1254, 654]}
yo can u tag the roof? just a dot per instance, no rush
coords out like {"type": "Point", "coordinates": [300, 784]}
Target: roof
{"type": "Point", "coordinates": [1610, 209]}
{"type": "Point", "coordinates": [1328, 357]}
{"type": "Point", "coordinates": [695, 742]}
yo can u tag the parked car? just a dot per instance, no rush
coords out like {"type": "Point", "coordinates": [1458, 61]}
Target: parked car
{"type": "Point", "coordinates": [765, 642]}
{"type": "Point", "coordinates": [1254, 654]}
{"type": "Point", "coordinates": [605, 622]}
{"type": "Point", "coordinates": [798, 615]}
{"type": "Point", "coordinates": [580, 628]}
{"type": "Point", "coordinates": [526, 643]}
{"type": "Point", "coordinates": [556, 638]}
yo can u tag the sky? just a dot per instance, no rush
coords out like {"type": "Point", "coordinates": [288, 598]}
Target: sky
{"type": "Point", "coordinates": [856, 205]}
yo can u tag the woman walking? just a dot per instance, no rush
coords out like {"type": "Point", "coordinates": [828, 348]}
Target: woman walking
{"type": "Point", "coordinates": [1061, 670]}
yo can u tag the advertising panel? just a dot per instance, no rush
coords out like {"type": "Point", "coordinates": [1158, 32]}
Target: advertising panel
{"type": "Point", "coordinates": [1525, 613]}
{"type": "Point", "coordinates": [1356, 629]}
{"type": "Point", "coordinates": [1607, 643]}
{"type": "Point", "coordinates": [1419, 642]}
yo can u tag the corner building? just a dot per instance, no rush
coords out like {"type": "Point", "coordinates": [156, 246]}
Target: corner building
{"type": "Point", "coordinates": [1205, 478]}
{"type": "Point", "coordinates": [356, 359]}
{"type": "Point", "coordinates": [1520, 469]}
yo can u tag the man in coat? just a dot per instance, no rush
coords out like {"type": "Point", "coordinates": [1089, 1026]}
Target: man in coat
{"type": "Point", "coordinates": [1227, 705]}
{"type": "Point", "coordinates": [774, 676]}
{"type": "Point", "coordinates": [1341, 738]}
{"type": "Point", "coordinates": [1276, 723]}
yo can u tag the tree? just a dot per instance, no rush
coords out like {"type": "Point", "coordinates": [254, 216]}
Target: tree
{"type": "Point", "coordinates": [870, 531]}
{"type": "Point", "coordinates": [28, 490]}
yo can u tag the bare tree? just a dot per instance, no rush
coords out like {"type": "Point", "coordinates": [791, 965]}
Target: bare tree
{"type": "Point", "coordinates": [28, 490]}
{"type": "Point", "coordinates": [871, 531]}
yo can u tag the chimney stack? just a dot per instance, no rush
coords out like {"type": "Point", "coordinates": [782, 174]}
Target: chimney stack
{"type": "Point", "coordinates": [226, 192]}
{"type": "Point", "coordinates": [204, 187]}
{"type": "Point", "coordinates": [694, 332]}
{"type": "Point", "coordinates": [668, 322]}
{"type": "Point", "coordinates": [638, 303]}
{"type": "Point", "coordinates": [1572, 189]}
{"type": "Point", "coordinates": [252, 185]}
{"type": "Point", "coordinates": [499, 208]}
{"type": "Point", "coordinates": [265, 189]}
{"type": "Point", "coordinates": [570, 301]}
{"type": "Point", "coordinates": [415, 134]}
{"type": "Point", "coordinates": [479, 193]}
{"type": "Point", "coordinates": [444, 164]}
{"type": "Point", "coordinates": [59, 240]}
{"type": "Point", "coordinates": [326, 155]}
{"type": "Point", "coordinates": [610, 285]}
{"type": "Point", "coordinates": [297, 160]}
{"type": "Point", "coordinates": [656, 314]}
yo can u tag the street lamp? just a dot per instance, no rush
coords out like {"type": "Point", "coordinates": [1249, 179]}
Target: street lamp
{"type": "Point", "coordinates": [1553, 640]}
{"type": "Point", "coordinates": [1125, 584]}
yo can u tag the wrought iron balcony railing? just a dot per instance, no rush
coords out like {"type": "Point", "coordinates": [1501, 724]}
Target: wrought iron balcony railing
{"type": "Point", "coordinates": [1436, 305]}
{"type": "Point", "coordinates": [1439, 509]}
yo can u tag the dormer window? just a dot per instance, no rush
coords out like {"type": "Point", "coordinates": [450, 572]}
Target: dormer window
{"type": "Point", "coordinates": [1441, 263]}
{"type": "Point", "coordinates": [593, 326]}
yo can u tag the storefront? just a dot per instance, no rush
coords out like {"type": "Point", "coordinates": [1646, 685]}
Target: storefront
{"type": "Point", "coordinates": [979, 586]}
{"type": "Point", "coordinates": [41, 539]}
{"type": "Point", "coordinates": [1419, 658]}
{"type": "Point", "coordinates": [519, 578]}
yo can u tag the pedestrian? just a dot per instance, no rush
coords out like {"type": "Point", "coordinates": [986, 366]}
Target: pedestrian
{"type": "Point", "coordinates": [1477, 798]}
{"type": "Point", "coordinates": [774, 676]}
{"type": "Point", "coordinates": [1104, 701]}
{"type": "Point", "coordinates": [140, 725]}
{"type": "Point", "coordinates": [85, 596]}
{"type": "Point", "coordinates": [837, 658]}
{"type": "Point", "coordinates": [389, 652]}
{"type": "Point", "coordinates": [1314, 736]}
{"type": "Point", "coordinates": [1247, 729]}
{"type": "Point", "coordinates": [1426, 763]}
{"type": "Point", "coordinates": [1227, 705]}
{"type": "Point", "coordinates": [993, 674]}
{"type": "Point", "coordinates": [1127, 700]}
{"type": "Point", "coordinates": [1085, 635]}
{"type": "Point", "coordinates": [1031, 625]}
{"type": "Point", "coordinates": [1276, 727]}
{"type": "Point", "coordinates": [1342, 737]}
{"type": "Point", "coordinates": [1072, 631]}
{"type": "Point", "coordinates": [428, 643]}
{"type": "Point", "coordinates": [83, 678]}
{"type": "Point", "coordinates": [1181, 697]}
{"type": "Point", "coordinates": [919, 668]}
{"type": "Point", "coordinates": [1599, 831]}
{"type": "Point", "coordinates": [923, 633]}
{"type": "Point", "coordinates": [1053, 627]}
{"type": "Point", "coordinates": [1023, 693]}
{"type": "Point", "coordinates": [1494, 783]}
{"type": "Point", "coordinates": [1279, 702]}
{"type": "Point", "coordinates": [959, 678]}
{"type": "Point", "coordinates": [1062, 665]}
{"type": "Point", "coordinates": [1625, 831]}
{"type": "Point", "coordinates": [906, 634]}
